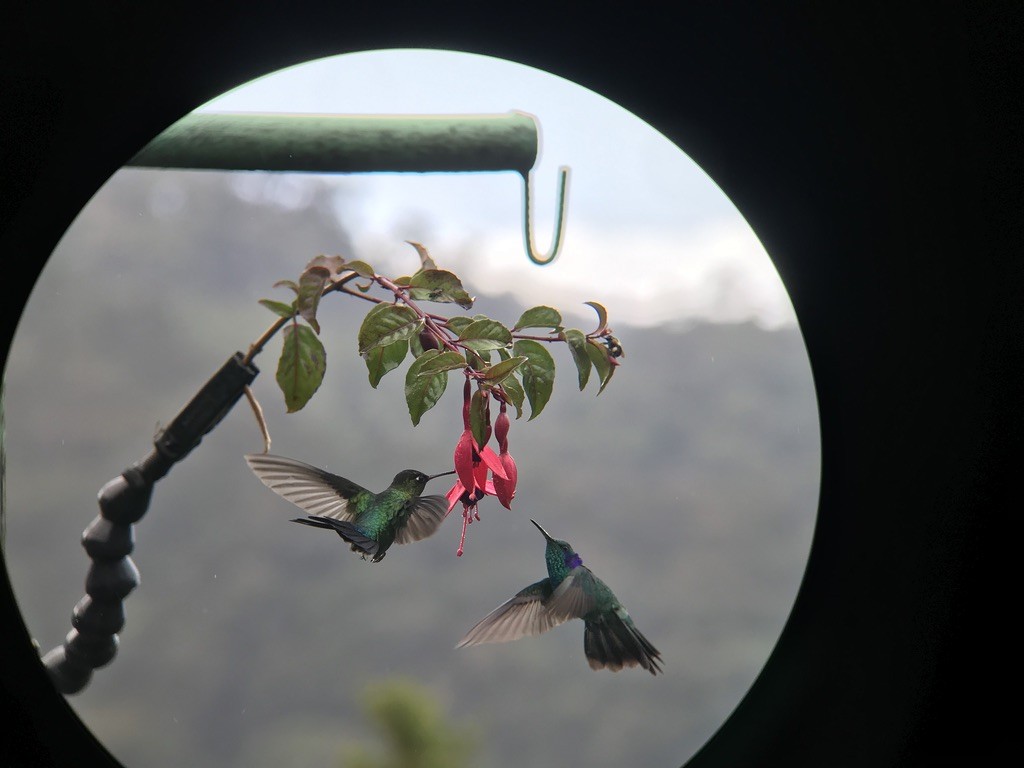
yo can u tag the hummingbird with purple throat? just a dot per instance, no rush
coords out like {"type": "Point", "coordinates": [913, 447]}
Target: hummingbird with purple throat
{"type": "Point", "coordinates": [570, 591]}
{"type": "Point", "coordinates": [369, 522]}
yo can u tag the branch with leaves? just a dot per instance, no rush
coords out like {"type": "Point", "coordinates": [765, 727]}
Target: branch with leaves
{"type": "Point", "coordinates": [507, 366]}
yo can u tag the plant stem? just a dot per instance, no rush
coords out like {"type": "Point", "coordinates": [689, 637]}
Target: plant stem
{"type": "Point", "coordinates": [363, 296]}
{"type": "Point", "coordinates": [430, 322]}
{"type": "Point", "coordinates": [377, 300]}
{"type": "Point", "coordinates": [549, 339]}
{"type": "Point", "coordinates": [257, 346]}
{"type": "Point", "coordinates": [258, 411]}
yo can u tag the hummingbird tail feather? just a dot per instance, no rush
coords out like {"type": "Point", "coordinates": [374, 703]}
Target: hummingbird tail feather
{"type": "Point", "coordinates": [360, 542]}
{"type": "Point", "coordinates": [312, 523]}
{"type": "Point", "coordinates": [613, 643]}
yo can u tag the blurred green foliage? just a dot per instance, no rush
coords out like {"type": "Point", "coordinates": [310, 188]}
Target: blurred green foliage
{"type": "Point", "coordinates": [413, 728]}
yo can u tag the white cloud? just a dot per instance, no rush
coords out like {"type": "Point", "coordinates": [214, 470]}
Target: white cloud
{"type": "Point", "coordinates": [718, 272]}
{"type": "Point", "coordinates": [646, 225]}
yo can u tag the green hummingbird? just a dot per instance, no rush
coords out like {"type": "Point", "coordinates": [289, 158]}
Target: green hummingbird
{"type": "Point", "coordinates": [571, 591]}
{"type": "Point", "coordinates": [369, 522]}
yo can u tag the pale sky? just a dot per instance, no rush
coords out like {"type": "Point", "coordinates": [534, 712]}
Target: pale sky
{"type": "Point", "coordinates": [648, 233]}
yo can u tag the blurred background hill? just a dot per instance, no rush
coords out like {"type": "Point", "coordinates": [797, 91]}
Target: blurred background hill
{"type": "Point", "coordinates": [690, 486]}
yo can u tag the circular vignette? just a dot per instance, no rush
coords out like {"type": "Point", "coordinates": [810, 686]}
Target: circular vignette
{"type": "Point", "coordinates": [738, 149]}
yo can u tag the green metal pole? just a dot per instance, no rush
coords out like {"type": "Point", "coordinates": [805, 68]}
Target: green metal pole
{"type": "Point", "coordinates": [346, 143]}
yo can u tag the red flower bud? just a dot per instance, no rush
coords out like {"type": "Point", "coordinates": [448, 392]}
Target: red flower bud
{"type": "Point", "coordinates": [466, 397]}
{"type": "Point", "coordinates": [501, 425]}
{"type": "Point", "coordinates": [427, 340]}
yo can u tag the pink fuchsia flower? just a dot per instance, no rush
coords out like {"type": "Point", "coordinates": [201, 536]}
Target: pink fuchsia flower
{"type": "Point", "coordinates": [472, 465]}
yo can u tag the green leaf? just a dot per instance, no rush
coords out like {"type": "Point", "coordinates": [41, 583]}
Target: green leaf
{"type": "Point", "coordinates": [478, 361]}
{"type": "Point", "coordinates": [498, 372]}
{"type": "Point", "coordinates": [311, 286]}
{"type": "Point", "coordinates": [484, 334]}
{"type": "Point", "coordinates": [539, 317]}
{"type": "Point", "coordinates": [301, 368]}
{"type": "Point", "coordinates": [439, 286]}
{"type": "Point", "coordinates": [416, 347]}
{"type": "Point", "coordinates": [445, 361]}
{"type": "Point", "coordinates": [599, 357]}
{"type": "Point", "coordinates": [538, 374]}
{"type": "Point", "coordinates": [382, 359]}
{"type": "Point", "coordinates": [423, 392]}
{"type": "Point", "coordinates": [478, 421]}
{"type": "Point", "coordinates": [425, 261]}
{"type": "Point", "coordinates": [602, 315]}
{"type": "Point", "coordinates": [578, 347]}
{"type": "Point", "coordinates": [361, 268]}
{"type": "Point", "coordinates": [279, 307]}
{"type": "Point", "coordinates": [333, 264]}
{"type": "Point", "coordinates": [386, 324]}
{"type": "Point", "coordinates": [459, 323]}
{"type": "Point", "coordinates": [287, 284]}
{"type": "Point", "coordinates": [514, 393]}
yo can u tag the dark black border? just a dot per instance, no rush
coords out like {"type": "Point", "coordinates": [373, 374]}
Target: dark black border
{"type": "Point", "coordinates": [872, 149]}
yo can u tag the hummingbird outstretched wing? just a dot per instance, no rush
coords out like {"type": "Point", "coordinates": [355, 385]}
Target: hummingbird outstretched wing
{"type": "Point", "coordinates": [524, 614]}
{"type": "Point", "coordinates": [426, 513]}
{"type": "Point", "coordinates": [316, 491]}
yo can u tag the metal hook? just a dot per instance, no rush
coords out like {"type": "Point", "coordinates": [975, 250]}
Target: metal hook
{"type": "Point", "coordinates": [556, 243]}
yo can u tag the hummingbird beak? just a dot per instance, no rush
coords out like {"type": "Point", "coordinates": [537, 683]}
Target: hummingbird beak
{"type": "Point", "coordinates": [441, 474]}
{"type": "Point", "coordinates": [546, 534]}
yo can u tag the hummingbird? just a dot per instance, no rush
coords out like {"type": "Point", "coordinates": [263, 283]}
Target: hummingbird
{"type": "Point", "coordinates": [571, 591]}
{"type": "Point", "coordinates": [369, 522]}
